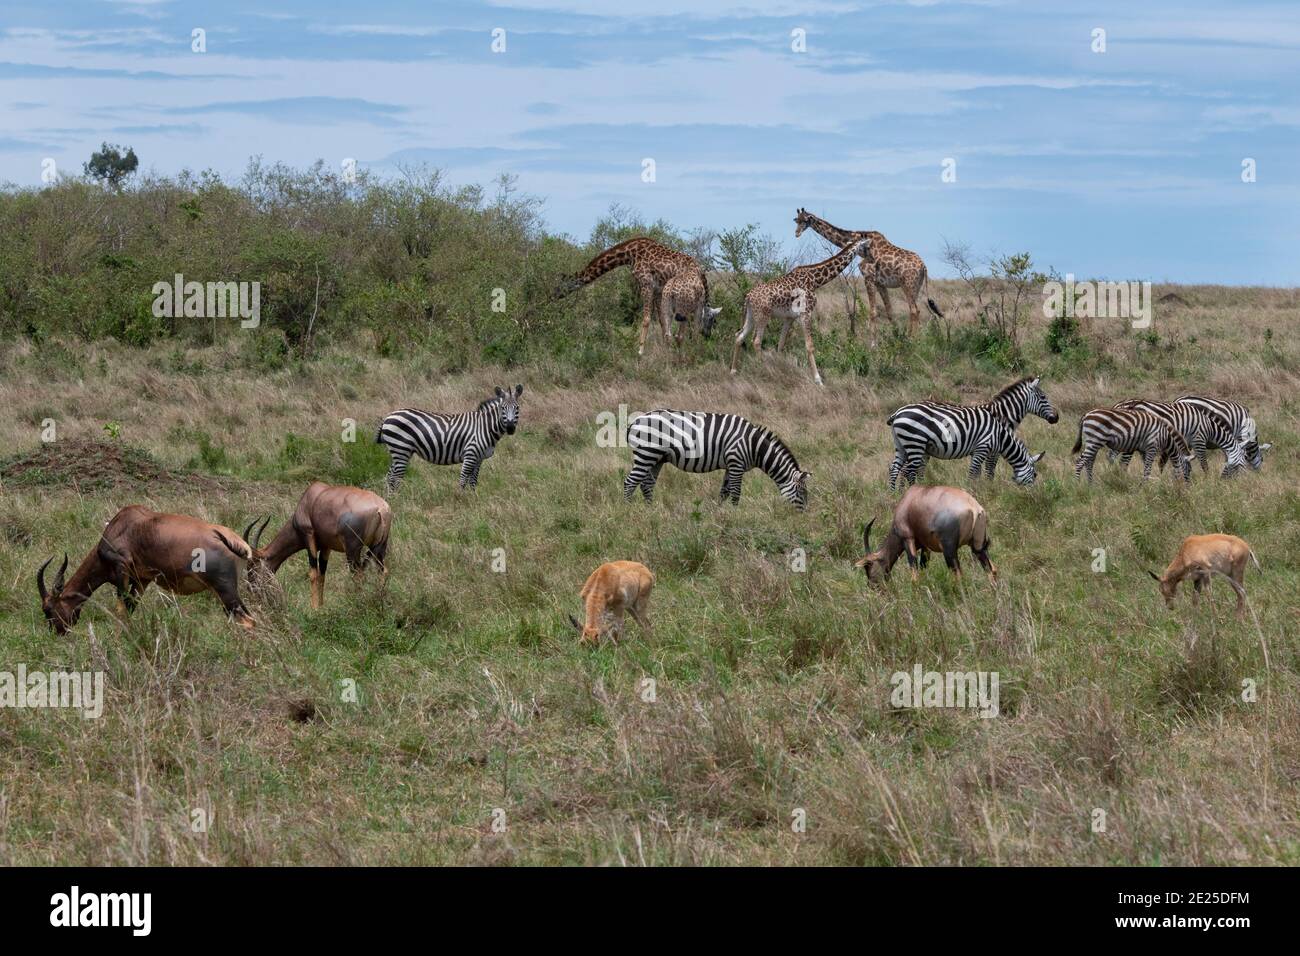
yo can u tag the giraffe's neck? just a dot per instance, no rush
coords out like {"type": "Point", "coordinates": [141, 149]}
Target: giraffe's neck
{"type": "Point", "coordinates": [820, 273]}
{"type": "Point", "coordinates": [841, 237]}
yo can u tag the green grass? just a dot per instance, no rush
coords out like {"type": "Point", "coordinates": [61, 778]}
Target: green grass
{"type": "Point", "coordinates": [771, 686]}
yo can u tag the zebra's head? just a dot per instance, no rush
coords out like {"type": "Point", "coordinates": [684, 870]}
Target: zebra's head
{"type": "Point", "coordinates": [1025, 473]}
{"type": "Point", "coordinates": [1177, 450]}
{"type": "Point", "coordinates": [795, 489]}
{"type": "Point", "coordinates": [1039, 404]}
{"type": "Point", "coordinates": [508, 405]}
{"type": "Point", "coordinates": [1251, 446]}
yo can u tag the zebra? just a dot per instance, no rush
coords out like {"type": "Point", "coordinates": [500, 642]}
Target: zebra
{"type": "Point", "coordinates": [709, 441]}
{"type": "Point", "coordinates": [1129, 430]}
{"type": "Point", "coordinates": [467, 438]}
{"type": "Point", "coordinates": [1201, 429]}
{"type": "Point", "coordinates": [1237, 418]}
{"type": "Point", "coordinates": [945, 430]}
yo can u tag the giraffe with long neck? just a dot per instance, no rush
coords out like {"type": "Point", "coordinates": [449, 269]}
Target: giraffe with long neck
{"type": "Point", "coordinates": [654, 265]}
{"type": "Point", "coordinates": [793, 296]}
{"type": "Point", "coordinates": [884, 266]}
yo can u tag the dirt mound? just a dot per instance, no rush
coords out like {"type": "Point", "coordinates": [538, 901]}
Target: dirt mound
{"type": "Point", "coordinates": [1172, 298]}
{"type": "Point", "coordinates": [92, 465]}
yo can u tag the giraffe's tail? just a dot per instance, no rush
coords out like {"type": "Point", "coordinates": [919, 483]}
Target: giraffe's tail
{"type": "Point", "coordinates": [930, 302]}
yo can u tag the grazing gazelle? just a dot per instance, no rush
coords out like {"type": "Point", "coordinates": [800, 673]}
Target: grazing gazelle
{"type": "Point", "coordinates": [1199, 557]}
{"type": "Point", "coordinates": [612, 589]}
{"type": "Point", "coordinates": [328, 518]}
{"type": "Point", "coordinates": [139, 547]}
{"type": "Point", "coordinates": [929, 518]}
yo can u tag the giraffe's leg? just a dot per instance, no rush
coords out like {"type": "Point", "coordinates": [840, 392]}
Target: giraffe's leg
{"type": "Point", "coordinates": [745, 329]}
{"type": "Point", "coordinates": [913, 313]}
{"type": "Point", "coordinates": [884, 302]}
{"type": "Point", "coordinates": [806, 320]}
{"type": "Point", "coordinates": [785, 330]}
{"type": "Point", "coordinates": [648, 299]}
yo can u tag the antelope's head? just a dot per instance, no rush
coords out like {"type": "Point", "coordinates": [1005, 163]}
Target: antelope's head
{"type": "Point", "coordinates": [61, 610]}
{"type": "Point", "coordinates": [1167, 588]}
{"type": "Point", "coordinates": [509, 407]}
{"type": "Point", "coordinates": [872, 562]}
{"type": "Point", "coordinates": [587, 634]}
{"type": "Point", "coordinates": [259, 573]}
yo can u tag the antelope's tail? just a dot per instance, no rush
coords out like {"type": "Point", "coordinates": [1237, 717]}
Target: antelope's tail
{"type": "Point", "coordinates": [1253, 558]}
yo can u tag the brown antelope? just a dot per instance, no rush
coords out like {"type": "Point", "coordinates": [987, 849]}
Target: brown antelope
{"type": "Point", "coordinates": [1199, 557]}
{"type": "Point", "coordinates": [930, 518]}
{"type": "Point", "coordinates": [327, 518]}
{"type": "Point", "coordinates": [138, 547]}
{"type": "Point", "coordinates": [612, 589]}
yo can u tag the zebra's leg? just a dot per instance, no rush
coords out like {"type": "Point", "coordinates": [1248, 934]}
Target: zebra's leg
{"type": "Point", "coordinates": [1198, 446]}
{"type": "Point", "coordinates": [637, 475]}
{"type": "Point", "coordinates": [731, 481]}
{"type": "Point", "coordinates": [1086, 458]}
{"type": "Point", "coordinates": [895, 467]}
{"type": "Point", "coordinates": [397, 463]}
{"type": "Point", "coordinates": [990, 465]}
{"type": "Point", "coordinates": [469, 469]}
{"type": "Point", "coordinates": [1148, 459]}
{"type": "Point", "coordinates": [915, 467]}
{"type": "Point", "coordinates": [648, 483]}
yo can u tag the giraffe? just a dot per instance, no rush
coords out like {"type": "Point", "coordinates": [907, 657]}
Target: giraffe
{"type": "Point", "coordinates": [684, 297]}
{"type": "Point", "coordinates": [653, 265]}
{"type": "Point", "coordinates": [884, 266]}
{"type": "Point", "coordinates": [793, 296]}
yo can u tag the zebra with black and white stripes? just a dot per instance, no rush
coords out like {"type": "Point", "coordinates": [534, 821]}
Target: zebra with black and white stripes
{"type": "Point", "coordinates": [707, 441]}
{"type": "Point", "coordinates": [1201, 430]}
{"type": "Point", "coordinates": [466, 438]}
{"type": "Point", "coordinates": [1130, 430]}
{"type": "Point", "coordinates": [943, 430]}
{"type": "Point", "coordinates": [1237, 418]}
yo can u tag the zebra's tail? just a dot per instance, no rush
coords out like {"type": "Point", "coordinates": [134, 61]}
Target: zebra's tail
{"type": "Point", "coordinates": [379, 434]}
{"type": "Point", "coordinates": [1078, 442]}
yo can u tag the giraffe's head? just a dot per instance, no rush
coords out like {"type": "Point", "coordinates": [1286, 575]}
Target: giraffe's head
{"type": "Point", "coordinates": [802, 220]}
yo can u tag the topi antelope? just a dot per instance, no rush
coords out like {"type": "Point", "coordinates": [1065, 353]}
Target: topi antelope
{"type": "Point", "coordinates": [929, 518]}
{"type": "Point", "coordinates": [327, 518]}
{"type": "Point", "coordinates": [612, 589]}
{"type": "Point", "coordinates": [138, 547]}
{"type": "Point", "coordinates": [1199, 557]}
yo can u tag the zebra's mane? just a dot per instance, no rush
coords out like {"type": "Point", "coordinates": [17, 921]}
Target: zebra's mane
{"type": "Point", "coordinates": [1010, 388]}
{"type": "Point", "coordinates": [772, 438]}
{"type": "Point", "coordinates": [492, 399]}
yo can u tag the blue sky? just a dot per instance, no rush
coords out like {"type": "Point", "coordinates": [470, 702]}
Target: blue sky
{"type": "Point", "coordinates": [1125, 164]}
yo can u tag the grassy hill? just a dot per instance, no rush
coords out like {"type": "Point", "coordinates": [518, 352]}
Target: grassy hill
{"type": "Point", "coordinates": [771, 686]}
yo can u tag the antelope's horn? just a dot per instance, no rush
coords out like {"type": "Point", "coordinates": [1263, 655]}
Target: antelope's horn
{"type": "Point", "coordinates": [258, 542]}
{"type": "Point", "coordinates": [40, 580]}
{"type": "Point", "coordinates": [574, 621]}
{"type": "Point", "coordinates": [248, 531]}
{"type": "Point", "coordinates": [58, 578]}
{"type": "Point", "coordinates": [866, 535]}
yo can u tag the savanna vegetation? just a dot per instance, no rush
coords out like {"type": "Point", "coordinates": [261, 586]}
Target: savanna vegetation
{"type": "Point", "coordinates": [770, 658]}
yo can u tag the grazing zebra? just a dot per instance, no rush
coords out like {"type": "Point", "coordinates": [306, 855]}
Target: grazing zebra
{"type": "Point", "coordinates": [1201, 429]}
{"type": "Point", "coordinates": [1238, 419]}
{"type": "Point", "coordinates": [707, 441]}
{"type": "Point", "coordinates": [1129, 430]}
{"type": "Point", "coordinates": [944, 430]}
{"type": "Point", "coordinates": [467, 438]}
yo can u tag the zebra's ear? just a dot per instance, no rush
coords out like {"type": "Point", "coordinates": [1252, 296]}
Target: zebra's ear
{"type": "Point", "coordinates": [519, 390]}
{"type": "Point", "coordinates": [1033, 382]}
{"type": "Point", "coordinates": [499, 392]}
{"type": "Point", "coordinates": [1037, 458]}
{"type": "Point", "coordinates": [1266, 446]}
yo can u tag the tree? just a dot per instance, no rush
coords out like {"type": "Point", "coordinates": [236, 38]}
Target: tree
{"type": "Point", "coordinates": [111, 166]}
